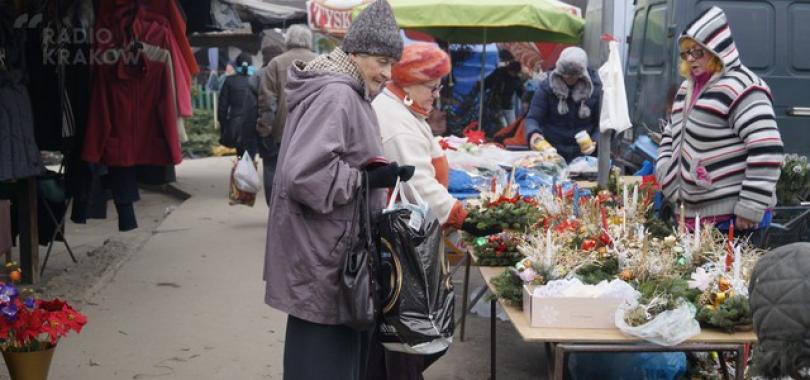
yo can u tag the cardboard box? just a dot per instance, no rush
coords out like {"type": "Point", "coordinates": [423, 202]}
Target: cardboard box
{"type": "Point", "coordinates": [569, 312]}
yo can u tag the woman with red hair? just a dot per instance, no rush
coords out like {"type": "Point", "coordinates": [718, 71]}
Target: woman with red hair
{"type": "Point", "coordinates": [402, 110]}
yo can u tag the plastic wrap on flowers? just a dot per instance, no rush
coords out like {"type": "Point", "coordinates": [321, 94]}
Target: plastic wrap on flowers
{"type": "Point", "coordinates": [418, 314]}
{"type": "Point", "coordinates": [669, 328]}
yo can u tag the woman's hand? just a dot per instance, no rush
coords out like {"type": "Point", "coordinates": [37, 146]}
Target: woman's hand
{"type": "Point", "coordinates": [745, 224]}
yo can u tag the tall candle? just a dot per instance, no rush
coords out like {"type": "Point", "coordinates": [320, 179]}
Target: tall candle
{"type": "Point", "coordinates": [737, 263]}
{"type": "Point", "coordinates": [547, 262]}
{"type": "Point", "coordinates": [697, 233]}
{"type": "Point", "coordinates": [624, 196]}
{"type": "Point", "coordinates": [635, 198]}
{"type": "Point", "coordinates": [682, 220]}
{"type": "Point", "coordinates": [730, 248]}
{"type": "Point", "coordinates": [603, 213]}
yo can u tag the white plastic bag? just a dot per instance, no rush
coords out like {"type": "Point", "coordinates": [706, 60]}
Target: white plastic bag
{"type": "Point", "coordinates": [669, 328]}
{"type": "Point", "coordinates": [614, 114]}
{"type": "Point", "coordinates": [410, 200]}
{"type": "Point", "coordinates": [246, 176]}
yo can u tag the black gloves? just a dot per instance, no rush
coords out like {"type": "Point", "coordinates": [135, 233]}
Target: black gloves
{"type": "Point", "coordinates": [406, 172]}
{"type": "Point", "coordinates": [472, 229]}
{"type": "Point", "coordinates": [386, 176]}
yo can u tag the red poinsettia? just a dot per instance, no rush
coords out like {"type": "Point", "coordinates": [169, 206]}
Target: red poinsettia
{"type": "Point", "coordinates": [475, 136]}
{"type": "Point", "coordinates": [28, 324]}
{"type": "Point", "coordinates": [445, 145]}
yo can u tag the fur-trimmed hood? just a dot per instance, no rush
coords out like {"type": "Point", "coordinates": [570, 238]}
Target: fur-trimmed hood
{"type": "Point", "coordinates": [573, 61]}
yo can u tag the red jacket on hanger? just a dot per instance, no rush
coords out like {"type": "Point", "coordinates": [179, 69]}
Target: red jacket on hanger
{"type": "Point", "coordinates": [166, 8]}
{"type": "Point", "coordinates": [132, 117]}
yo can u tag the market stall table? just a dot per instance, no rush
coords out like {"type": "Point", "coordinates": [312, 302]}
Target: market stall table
{"type": "Point", "coordinates": [559, 342]}
{"type": "Point", "coordinates": [469, 259]}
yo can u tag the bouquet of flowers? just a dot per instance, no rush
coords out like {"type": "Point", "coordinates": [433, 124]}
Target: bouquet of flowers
{"type": "Point", "coordinates": [794, 182]}
{"type": "Point", "coordinates": [30, 324]}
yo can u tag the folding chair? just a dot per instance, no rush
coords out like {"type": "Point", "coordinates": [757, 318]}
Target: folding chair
{"type": "Point", "coordinates": [55, 192]}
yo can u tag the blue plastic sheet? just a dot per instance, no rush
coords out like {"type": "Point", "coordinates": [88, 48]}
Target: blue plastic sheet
{"type": "Point", "coordinates": [627, 366]}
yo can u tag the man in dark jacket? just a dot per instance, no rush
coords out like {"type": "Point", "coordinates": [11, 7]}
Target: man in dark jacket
{"type": "Point", "coordinates": [273, 101]}
{"type": "Point", "coordinates": [237, 109]}
{"type": "Point", "coordinates": [503, 84]}
{"type": "Point", "coordinates": [331, 134]}
{"type": "Point", "coordinates": [568, 102]}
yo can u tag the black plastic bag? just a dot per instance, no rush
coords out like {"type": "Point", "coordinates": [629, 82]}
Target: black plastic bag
{"type": "Point", "coordinates": [418, 304]}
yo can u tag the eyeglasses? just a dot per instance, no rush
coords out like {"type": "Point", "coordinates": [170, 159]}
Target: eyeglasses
{"type": "Point", "coordinates": [434, 90]}
{"type": "Point", "coordinates": [696, 53]}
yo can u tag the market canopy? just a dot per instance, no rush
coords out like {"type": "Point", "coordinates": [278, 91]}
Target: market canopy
{"type": "Point", "coordinates": [476, 21]}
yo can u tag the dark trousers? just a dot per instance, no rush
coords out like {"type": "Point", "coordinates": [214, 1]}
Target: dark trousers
{"type": "Point", "coordinates": [314, 351]}
{"type": "Point", "coordinates": [392, 365]}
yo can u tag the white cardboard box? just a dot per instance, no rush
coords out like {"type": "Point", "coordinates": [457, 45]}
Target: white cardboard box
{"type": "Point", "coordinates": [569, 312]}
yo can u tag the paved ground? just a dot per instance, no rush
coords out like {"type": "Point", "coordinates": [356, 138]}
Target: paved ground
{"type": "Point", "coordinates": [181, 298]}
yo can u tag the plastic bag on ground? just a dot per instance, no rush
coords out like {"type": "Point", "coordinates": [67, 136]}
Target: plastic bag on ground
{"type": "Point", "coordinates": [246, 175]}
{"type": "Point", "coordinates": [669, 328]}
{"type": "Point", "coordinates": [237, 196]}
{"type": "Point", "coordinates": [418, 299]}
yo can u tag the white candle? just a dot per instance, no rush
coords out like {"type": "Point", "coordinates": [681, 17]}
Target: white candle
{"type": "Point", "coordinates": [624, 196]}
{"type": "Point", "coordinates": [624, 222]}
{"type": "Point", "coordinates": [547, 262]}
{"type": "Point", "coordinates": [635, 198]}
{"type": "Point", "coordinates": [697, 233]}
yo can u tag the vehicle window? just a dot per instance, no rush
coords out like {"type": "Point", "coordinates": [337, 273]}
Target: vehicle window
{"type": "Point", "coordinates": [752, 25]}
{"type": "Point", "coordinates": [799, 36]}
{"type": "Point", "coordinates": [655, 38]}
{"type": "Point", "coordinates": [637, 35]}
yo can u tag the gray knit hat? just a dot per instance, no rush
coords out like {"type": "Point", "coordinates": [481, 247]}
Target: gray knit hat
{"type": "Point", "coordinates": [374, 32]}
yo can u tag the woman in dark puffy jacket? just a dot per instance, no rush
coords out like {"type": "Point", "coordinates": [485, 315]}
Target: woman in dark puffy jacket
{"type": "Point", "coordinates": [566, 103]}
{"type": "Point", "coordinates": [238, 109]}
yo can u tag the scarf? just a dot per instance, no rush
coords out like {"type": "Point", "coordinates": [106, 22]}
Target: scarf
{"type": "Point", "coordinates": [401, 95]}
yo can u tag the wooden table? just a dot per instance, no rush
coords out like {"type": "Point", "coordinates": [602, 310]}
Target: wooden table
{"type": "Point", "coordinates": [559, 342]}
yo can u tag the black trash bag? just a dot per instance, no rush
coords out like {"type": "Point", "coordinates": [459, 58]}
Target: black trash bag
{"type": "Point", "coordinates": [418, 300]}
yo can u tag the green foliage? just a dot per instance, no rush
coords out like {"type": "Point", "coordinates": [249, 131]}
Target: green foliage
{"type": "Point", "coordinates": [202, 134]}
{"type": "Point", "coordinates": [730, 314]}
{"type": "Point", "coordinates": [516, 216]}
{"type": "Point", "coordinates": [656, 227]}
{"type": "Point", "coordinates": [596, 272]}
{"type": "Point", "coordinates": [673, 287]}
{"type": "Point", "coordinates": [509, 287]}
{"type": "Point", "coordinates": [794, 182]}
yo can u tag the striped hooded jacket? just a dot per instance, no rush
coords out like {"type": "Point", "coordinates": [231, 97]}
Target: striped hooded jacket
{"type": "Point", "coordinates": [723, 155]}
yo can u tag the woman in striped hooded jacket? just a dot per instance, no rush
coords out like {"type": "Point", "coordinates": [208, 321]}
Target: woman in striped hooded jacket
{"type": "Point", "coordinates": [721, 153]}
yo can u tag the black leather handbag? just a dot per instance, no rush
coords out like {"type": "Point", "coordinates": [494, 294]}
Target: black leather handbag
{"type": "Point", "coordinates": [358, 294]}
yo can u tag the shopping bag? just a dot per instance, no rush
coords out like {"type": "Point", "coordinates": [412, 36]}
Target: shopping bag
{"type": "Point", "coordinates": [614, 113]}
{"type": "Point", "coordinates": [418, 299]}
{"type": "Point", "coordinates": [237, 196]}
{"type": "Point", "coordinates": [246, 175]}
{"type": "Point", "coordinates": [357, 297]}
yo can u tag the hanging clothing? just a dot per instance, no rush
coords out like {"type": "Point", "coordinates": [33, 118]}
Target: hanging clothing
{"type": "Point", "coordinates": [19, 154]}
{"type": "Point", "coordinates": [132, 120]}
{"type": "Point", "coordinates": [113, 9]}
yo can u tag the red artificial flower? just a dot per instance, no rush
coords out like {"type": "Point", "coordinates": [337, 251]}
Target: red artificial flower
{"type": "Point", "coordinates": [588, 245]}
{"type": "Point", "coordinates": [604, 238]}
{"type": "Point", "coordinates": [74, 320]}
{"type": "Point", "coordinates": [475, 136]}
{"type": "Point", "coordinates": [445, 145]}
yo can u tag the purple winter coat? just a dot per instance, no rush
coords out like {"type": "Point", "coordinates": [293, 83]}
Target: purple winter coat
{"type": "Point", "coordinates": [331, 131]}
